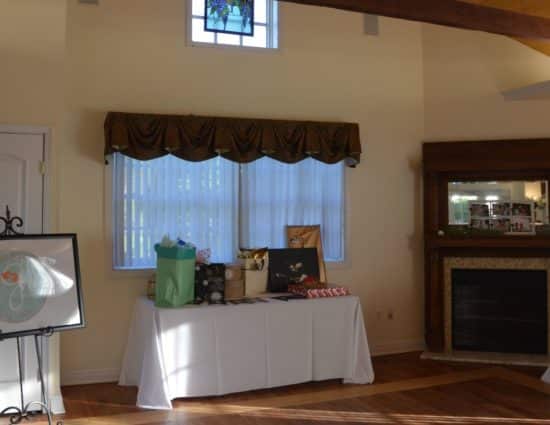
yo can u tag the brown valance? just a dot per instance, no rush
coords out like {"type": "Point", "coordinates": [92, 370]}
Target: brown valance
{"type": "Point", "coordinates": [194, 138]}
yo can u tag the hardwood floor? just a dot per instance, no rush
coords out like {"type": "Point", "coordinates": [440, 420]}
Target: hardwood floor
{"type": "Point", "coordinates": [407, 391]}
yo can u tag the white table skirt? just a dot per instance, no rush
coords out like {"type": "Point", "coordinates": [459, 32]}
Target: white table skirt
{"type": "Point", "coordinates": [216, 350]}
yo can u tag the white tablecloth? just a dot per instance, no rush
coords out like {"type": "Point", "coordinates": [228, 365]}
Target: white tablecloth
{"type": "Point", "coordinates": [216, 350]}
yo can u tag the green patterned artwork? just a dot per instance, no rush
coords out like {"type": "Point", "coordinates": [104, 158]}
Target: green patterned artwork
{"type": "Point", "coordinates": [25, 284]}
{"type": "Point", "coordinates": [39, 285]}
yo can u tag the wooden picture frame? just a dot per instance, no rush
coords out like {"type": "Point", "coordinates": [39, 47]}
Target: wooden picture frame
{"type": "Point", "coordinates": [308, 237]}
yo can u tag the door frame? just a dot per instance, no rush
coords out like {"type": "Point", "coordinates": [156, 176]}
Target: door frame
{"type": "Point", "coordinates": [56, 401]}
{"type": "Point", "coordinates": [46, 134]}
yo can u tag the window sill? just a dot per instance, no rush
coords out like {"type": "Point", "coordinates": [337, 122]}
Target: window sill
{"type": "Point", "coordinates": [122, 272]}
{"type": "Point", "coordinates": [249, 49]}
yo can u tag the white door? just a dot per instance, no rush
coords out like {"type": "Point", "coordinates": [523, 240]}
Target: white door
{"type": "Point", "coordinates": [22, 190]}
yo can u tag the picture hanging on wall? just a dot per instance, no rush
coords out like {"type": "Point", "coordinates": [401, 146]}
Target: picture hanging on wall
{"type": "Point", "coordinates": [39, 284]}
{"type": "Point", "coordinates": [229, 16]}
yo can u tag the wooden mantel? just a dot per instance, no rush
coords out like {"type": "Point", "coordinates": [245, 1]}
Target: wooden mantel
{"type": "Point", "coordinates": [444, 162]}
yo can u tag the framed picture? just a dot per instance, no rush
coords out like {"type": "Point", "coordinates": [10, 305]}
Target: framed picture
{"type": "Point", "coordinates": [308, 237]}
{"type": "Point", "coordinates": [292, 266]}
{"type": "Point", "coordinates": [521, 224]}
{"type": "Point", "coordinates": [480, 223]}
{"type": "Point", "coordinates": [502, 209]}
{"type": "Point", "coordinates": [229, 16]}
{"type": "Point", "coordinates": [40, 285]}
{"type": "Point", "coordinates": [479, 210]}
{"type": "Point", "coordinates": [522, 219]}
{"type": "Point", "coordinates": [522, 209]}
{"type": "Point", "coordinates": [500, 224]}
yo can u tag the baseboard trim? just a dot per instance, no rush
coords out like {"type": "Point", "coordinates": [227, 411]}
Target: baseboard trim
{"type": "Point", "coordinates": [89, 376]}
{"type": "Point", "coordinates": [398, 346]}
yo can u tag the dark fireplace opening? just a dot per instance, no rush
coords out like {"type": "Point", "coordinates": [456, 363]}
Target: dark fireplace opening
{"type": "Point", "coordinates": [500, 310]}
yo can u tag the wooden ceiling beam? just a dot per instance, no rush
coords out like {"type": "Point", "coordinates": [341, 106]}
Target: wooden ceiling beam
{"type": "Point", "coordinates": [452, 13]}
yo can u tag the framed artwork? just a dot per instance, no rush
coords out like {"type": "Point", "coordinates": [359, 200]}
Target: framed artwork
{"type": "Point", "coordinates": [501, 209]}
{"type": "Point", "coordinates": [480, 223]}
{"type": "Point", "coordinates": [500, 224]}
{"type": "Point", "coordinates": [479, 210]}
{"type": "Point", "coordinates": [229, 16]}
{"type": "Point", "coordinates": [508, 217]}
{"type": "Point", "coordinates": [40, 287]}
{"type": "Point", "coordinates": [308, 237]}
{"type": "Point", "coordinates": [292, 266]}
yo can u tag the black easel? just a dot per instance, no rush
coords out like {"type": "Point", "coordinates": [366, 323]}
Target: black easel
{"type": "Point", "coordinates": [17, 414]}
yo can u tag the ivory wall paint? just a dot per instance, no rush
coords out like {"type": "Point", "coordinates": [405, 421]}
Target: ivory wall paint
{"type": "Point", "coordinates": [465, 73]}
{"type": "Point", "coordinates": [131, 55]}
{"type": "Point", "coordinates": [65, 65]}
{"type": "Point", "coordinates": [32, 93]}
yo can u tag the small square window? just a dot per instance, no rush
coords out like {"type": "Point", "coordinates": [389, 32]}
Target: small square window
{"type": "Point", "coordinates": [265, 27]}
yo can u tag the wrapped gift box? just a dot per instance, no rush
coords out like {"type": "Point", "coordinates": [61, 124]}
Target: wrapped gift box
{"type": "Point", "coordinates": [320, 291]}
{"type": "Point", "coordinates": [233, 272]}
{"type": "Point", "coordinates": [234, 289]}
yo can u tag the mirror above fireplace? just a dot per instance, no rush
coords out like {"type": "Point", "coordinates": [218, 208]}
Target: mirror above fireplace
{"type": "Point", "coordinates": [508, 207]}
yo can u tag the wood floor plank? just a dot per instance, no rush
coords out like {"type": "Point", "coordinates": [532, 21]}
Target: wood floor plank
{"type": "Point", "coordinates": [407, 391]}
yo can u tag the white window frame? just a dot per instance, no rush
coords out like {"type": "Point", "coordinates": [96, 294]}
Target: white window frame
{"type": "Point", "coordinates": [120, 273]}
{"type": "Point", "coordinates": [272, 30]}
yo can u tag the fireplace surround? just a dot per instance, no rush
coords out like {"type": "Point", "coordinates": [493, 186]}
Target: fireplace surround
{"type": "Point", "coordinates": [519, 326]}
{"type": "Point", "coordinates": [446, 248]}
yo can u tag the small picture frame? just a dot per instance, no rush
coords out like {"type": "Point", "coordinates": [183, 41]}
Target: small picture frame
{"type": "Point", "coordinates": [480, 223]}
{"type": "Point", "coordinates": [522, 218]}
{"type": "Point", "coordinates": [522, 209]}
{"type": "Point", "coordinates": [500, 224]}
{"type": "Point", "coordinates": [501, 209]}
{"type": "Point", "coordinates": [478, 210]}
{"type": "Point", "coordinates": [521, 224]}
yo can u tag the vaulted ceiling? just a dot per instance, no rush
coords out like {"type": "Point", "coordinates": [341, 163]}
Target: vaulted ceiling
{"type": "Point", "coordinates": [528, 7]}
{"type": "Point", "coordinates": [526, 20]}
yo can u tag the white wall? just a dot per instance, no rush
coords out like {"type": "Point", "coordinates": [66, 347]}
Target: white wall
{"type": "Point", "coordinates": [465, 73]}
{"type": "Point", "coordinates": [32, 90]}
{"type": "Point", "coordinates": [413, 82]}
{"type": "Point", "coordinates": [131, 55]}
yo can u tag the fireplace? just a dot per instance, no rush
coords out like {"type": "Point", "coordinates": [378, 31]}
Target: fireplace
{"type": "Point", "coordinates": [497, 305]}
{"type": "Point", "coordinates": [499, 310]}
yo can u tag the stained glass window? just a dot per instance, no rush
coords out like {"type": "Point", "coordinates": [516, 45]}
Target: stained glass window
{"type": "Point", "coordinates": [265, 27]}
{"type": "Point", "coordinates": [230, 16]}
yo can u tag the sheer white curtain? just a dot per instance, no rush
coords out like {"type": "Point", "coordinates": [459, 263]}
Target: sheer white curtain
{"type": "Point", "coordinates": [274, 194]}
{"type": "Point", "coordinates": [195, 201]}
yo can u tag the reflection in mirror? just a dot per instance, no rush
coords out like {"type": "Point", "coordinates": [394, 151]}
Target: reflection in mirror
{"type": "Point", "coordinates": [504, 206]}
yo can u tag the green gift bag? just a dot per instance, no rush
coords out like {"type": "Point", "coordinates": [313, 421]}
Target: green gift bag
{"type": "Point", "coordinates": [175, 276]}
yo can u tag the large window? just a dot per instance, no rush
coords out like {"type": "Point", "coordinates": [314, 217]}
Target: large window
{"type": "Point", "coordinates": [222, 205]}
{"type": "Point", "coordinates": [265, 27]}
